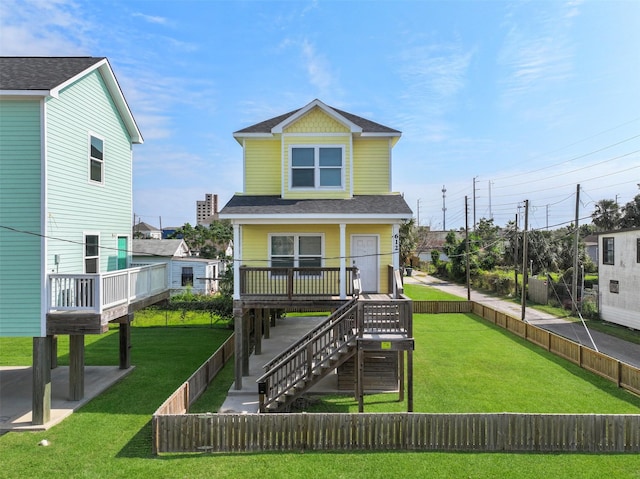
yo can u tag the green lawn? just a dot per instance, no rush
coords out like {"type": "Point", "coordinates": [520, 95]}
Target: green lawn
{"type": "Point", "coordinates": [111, 436]}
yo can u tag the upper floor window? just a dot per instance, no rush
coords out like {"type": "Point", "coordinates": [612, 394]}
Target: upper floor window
{"type": "Point", "coordinates": [608, 250]}
{"type": "Point", "coordinates": [96, 160]}
{"type": "Point", "coordinates": [317, 166]}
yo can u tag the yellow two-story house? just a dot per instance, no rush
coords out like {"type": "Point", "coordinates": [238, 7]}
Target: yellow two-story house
{"type": "Point", "coordinates": [316, 228]}
{"type": "Point", "coordinates": [317, 201]}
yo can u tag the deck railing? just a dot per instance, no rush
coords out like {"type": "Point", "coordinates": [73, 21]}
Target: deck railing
{"type": "Point", "coordinates": [97, 292]}
{"type": "Point", "coordinates": [293, 282]}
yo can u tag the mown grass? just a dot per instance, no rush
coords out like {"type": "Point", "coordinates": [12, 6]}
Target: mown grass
{"type": "Point", "coordinates": [111, 436]}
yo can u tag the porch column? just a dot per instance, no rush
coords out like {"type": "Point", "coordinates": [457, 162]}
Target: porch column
{"type": "Point", "coordinates": [41, 401]}
{"type": "Point", "coordinates": [395, 246]}
{"type": "Point", "coordinates": [237, 341]}
{"type": "Point", "coordinates": [343, 261]}
{"type": "Point", "coordinates": [237, 258]}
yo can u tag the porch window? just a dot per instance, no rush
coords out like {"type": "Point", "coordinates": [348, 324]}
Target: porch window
{"type": "Point", "coordinates": [187, 276]}
{"type": "Point", "coordinates": [316, 166]}
{"type": "Point", "coordinates": [296, 251]}
{"type": "Point", "coordinates": [96, 159]}
{"type": "Point", "coordinates": [91, 253]}
{"type": "Point", "coordinates": [608, 250]}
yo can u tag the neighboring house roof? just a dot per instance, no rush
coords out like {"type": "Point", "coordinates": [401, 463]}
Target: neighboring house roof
{"type": "Point", "coordinates": [265, 206]}
{"type": "Point", "coordinates": [48, 76]}
{"type": "Point", "coordinates": [623, 230]}
{"type": "Point", "coordinates": [167, 248]}
{"type": "Point", "coordinates": [356, 123]}
{"type": "Point", "coordinates": [142, 226]}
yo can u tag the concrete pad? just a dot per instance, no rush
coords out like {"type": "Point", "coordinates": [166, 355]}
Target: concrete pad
{"type": "Point", "coordinates": [287, 331]}
{"type": "Point", "coordinates": [16, 394]}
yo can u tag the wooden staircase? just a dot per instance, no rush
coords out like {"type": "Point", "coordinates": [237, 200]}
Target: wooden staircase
{"type": "Point", "coordinates": [361, 324]}
{"type": "Point", "coordinates": [309, 359]}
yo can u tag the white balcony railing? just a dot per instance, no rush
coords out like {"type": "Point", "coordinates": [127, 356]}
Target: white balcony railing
{"type": "Point", "coordinates": [97, 292]}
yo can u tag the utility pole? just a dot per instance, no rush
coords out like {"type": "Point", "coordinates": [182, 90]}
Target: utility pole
{"type": "Point", "coordinates": [574, 282]}
{"type": "Point", "coordinates": [525, 262]}
{"type": "Point", "coordinates": [466, 229]}
{"type": "Point", "coordinates": [515, 255]}
{"type": "Point", "coordinates": [418, 217]}
{"type": "Point", "coordinates": [547, 218]}
{"type": "Point", "coordinates": [444, 209]}
{"type": "Point", "coordinates": [490, 212]}
{"type": "Point", "coordinates": [474, 203]}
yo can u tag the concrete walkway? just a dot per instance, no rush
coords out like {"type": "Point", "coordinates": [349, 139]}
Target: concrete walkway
{"type": "Point", "coordinates": [16, 391]}
{"type": "Point", "coordinates": [620, 349]}
{"type": "Point", "coordinates": [287, 331]}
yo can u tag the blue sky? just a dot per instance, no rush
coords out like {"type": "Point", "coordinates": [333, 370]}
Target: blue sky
{"type": "Point", "coordinates": [529, 98]}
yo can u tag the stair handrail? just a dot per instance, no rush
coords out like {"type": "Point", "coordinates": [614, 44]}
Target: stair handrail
{"type": "Point", "coordinates": [333, 317]}
{"type": "Point", "coordinates": [299, 362]}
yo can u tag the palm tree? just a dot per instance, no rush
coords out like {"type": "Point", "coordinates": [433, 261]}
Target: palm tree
{"type": "Point", "coordinates": [607, 215]}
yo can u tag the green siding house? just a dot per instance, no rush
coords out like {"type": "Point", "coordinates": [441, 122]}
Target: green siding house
{"type": "Point", "coordinates": [66, 136]}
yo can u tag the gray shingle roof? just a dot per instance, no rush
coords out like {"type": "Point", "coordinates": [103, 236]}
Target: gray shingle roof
{"type": "Point", "coordinates": [381, 205]}
{"type": "Point", "coordinates": [41, 73]}
{"type": "Point", "coordinates": [151, 247]}
{"type": "Point", "coordinates": [367, 126]}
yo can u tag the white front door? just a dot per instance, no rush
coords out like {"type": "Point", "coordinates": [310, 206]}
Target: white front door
{"type": "Point", "coordinates": [364, 253]}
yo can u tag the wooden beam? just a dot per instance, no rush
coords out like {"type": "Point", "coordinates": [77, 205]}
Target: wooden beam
{"type": "Point", "coordinates": [54, 351]}
{"type": "Point", "coordinates": [237, 327]}
{"type": "Point", "coordinates": [41, 400]}
{"type": "Point", "coordinates": [124, 330]}
{"type": "Point", "coordinates": [257, 327]}
{"type": "Point", "coordinates": [76, 367]}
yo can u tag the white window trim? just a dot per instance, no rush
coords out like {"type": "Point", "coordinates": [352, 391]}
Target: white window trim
{"type": "Point", "coordinates": [91, 158]}
{"type": "Point", "coordinates": [316, 168]}
{"type": "Point", "coordinates": [84, 251]}
{"type": "Point", "coordinates": [296, 246]}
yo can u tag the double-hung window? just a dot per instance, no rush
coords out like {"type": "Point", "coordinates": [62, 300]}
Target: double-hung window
{"type": "Point", "coordinates": [295, 251]}
{"type": "Point", "coordinates": [96, 159]}
{"type": "Point", "coordinates": [187, 276]}
{"type": "Point", "coordinates": [91, 253]}
{"type": "Point", "coordinates": [608, 250]}
{"type": "Point", "coordinates": [317, 167]}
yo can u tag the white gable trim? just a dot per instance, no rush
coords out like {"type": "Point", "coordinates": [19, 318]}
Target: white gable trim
{"type": "Point", "coordinates": [328, 110]}
{"type": "Point", "coordinates": [116, 93]}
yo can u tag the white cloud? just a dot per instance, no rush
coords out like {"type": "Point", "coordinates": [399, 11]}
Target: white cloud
{"type": "Point", "coordinates": [319, 71]}
{"type": "Point", "coordinates": [433, 75]}
{"type": "Point", "coordinates": [151, 18]}
{"type": "Point", "coordinates": [537, 54]}
{"type": "Point", "coordinates": [40, 28]}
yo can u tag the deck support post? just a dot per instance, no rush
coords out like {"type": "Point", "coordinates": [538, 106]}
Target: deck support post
{"type": "Point", "coordinates": [246, 341]}
{"type": "Point", "coordinates": [267, 323]}
{"type": "Point", "coordinates": [400, 376]}
{"type": "Point", "coordinates": [124, 330]}
{"type": "Point", "coordinates": [54, 351]}
{"type": "Point", "coordinates": [360, 387]}
{"type": "Point", "coordinates": [76, 367]}
{"type": "Point", "coordinates": [41, 401]}
{"type": "Point", "coordinates": [258, 319]}
{"type": "Point", "coordinates": [237, 327]}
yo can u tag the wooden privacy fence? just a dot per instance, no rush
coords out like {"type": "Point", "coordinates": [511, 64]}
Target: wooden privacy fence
{"type": "Point", "coordinates": [505, 432]}
{"type": "Point", "coordinates": [174, 430]}
{"type": "Point", "coordinates": [192, 388]}
{"type": "Point", "coordinates": [623, 374]}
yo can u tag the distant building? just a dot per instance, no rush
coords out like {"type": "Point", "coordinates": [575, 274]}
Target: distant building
{"type": "Point", "coordinates": [207, 210]}
{"type": "Point", "coordinates": [144, 230]}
